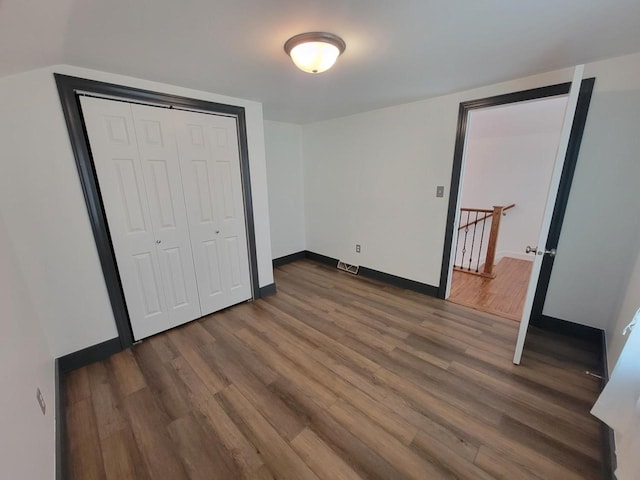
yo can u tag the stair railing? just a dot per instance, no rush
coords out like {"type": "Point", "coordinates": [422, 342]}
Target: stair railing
{"type": "Point", "coordinates": [477, 241]}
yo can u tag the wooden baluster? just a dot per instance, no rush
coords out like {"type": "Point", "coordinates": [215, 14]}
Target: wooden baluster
{"type": "Point", "coordinates": [493, 240]}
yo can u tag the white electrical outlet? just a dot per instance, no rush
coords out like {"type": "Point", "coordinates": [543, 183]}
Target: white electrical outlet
{"type": "Point", "coordinates": [43, 406]}
{"type": "Point", "coordinates": [357, 248]}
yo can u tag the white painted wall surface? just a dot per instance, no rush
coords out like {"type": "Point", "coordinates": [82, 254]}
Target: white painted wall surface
{"type": "Point", "coordinates": [27, 438]}
{"type": "Point", "coordinates": [49, 221]}
{"type": "Point", "coordinates": [283, 144]}
{"type": "Point", "coordinates": [371, 178]}
{"type": "Point", "coordinates": [509, 155]}
{"type": "Point", "coordinates": [598, 243]}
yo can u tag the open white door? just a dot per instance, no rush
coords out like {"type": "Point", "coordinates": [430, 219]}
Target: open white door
{"type": "Point", "coordinates": [548, 211]}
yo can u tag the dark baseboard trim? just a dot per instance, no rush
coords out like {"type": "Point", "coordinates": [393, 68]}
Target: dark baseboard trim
{"type": "Point", "coordinates": [268, 290]}
{"type": "Point", "coordinates": [292, 257]}
{"type": "Point", "coordinates": [394, 280]}
{"type": "Point", "coordinates": [316, 257]}
{"type": "Point", "coordinates": [61, 426]}
{"type": "Point", "coordinates": [573, 330]}
{"type": "Point", "coordinates": [89, 355]}
{"type": "Point", "coordinates": [401, 282]}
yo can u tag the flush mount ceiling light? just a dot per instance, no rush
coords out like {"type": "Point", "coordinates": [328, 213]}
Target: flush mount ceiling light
{"type": "Point", "coordinates": [314, 52]}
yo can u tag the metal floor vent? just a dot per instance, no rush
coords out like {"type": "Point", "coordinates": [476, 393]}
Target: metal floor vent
{"type": "Point", "coordinates": [348, 268]}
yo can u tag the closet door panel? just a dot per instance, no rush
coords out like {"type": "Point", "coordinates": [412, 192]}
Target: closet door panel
{"type": "Point", "coordinates": [163, 180]}
{"type": "Point", "coordinates": [112, 139]}
{"type": "Point", "coordinates": [223, 138]}
{"type": "Point", "coordinates": [210, 162]}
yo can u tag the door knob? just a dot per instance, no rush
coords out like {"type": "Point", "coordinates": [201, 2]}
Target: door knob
{"type": "Point", "coordinates": [158, 241]}
{"type": "Point", "coordinates": [551, 252]}
{"type": "Point", "coordinates": [217, 231]}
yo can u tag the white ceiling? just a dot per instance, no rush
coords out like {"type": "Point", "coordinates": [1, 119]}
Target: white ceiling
{"type": "Point", "coordinates": [397, 51]}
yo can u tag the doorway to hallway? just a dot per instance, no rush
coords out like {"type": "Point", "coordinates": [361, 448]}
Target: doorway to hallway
{"type": "Point", "coordinates": [509, 155]}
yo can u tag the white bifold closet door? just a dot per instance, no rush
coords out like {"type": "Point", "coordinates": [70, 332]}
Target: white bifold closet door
{"type": "Point", "coordinates": [136, 156]}
{"type": "Point", "coordinates": [209, 156]}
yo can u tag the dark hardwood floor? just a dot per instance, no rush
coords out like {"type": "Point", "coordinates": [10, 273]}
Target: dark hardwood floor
{"type": "Point", "coordinates": [337, 377]}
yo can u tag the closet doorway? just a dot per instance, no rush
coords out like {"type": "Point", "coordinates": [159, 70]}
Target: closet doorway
{"type": "Point", "coordinates": [171, 189]}
{"type": "Point", "coordinates": [167, 186]}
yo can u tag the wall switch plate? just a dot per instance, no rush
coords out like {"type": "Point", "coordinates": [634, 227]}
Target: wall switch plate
{"type": "Point", "coordinates": [440, 191]}
{"type": "Point", "coordinates": [43, 406]}
{"type": "Point", "coordinates": [357, 248]}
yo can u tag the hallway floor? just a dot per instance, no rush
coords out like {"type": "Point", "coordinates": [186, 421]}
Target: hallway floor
{"type": "Point", "coordinates": [503, 295]}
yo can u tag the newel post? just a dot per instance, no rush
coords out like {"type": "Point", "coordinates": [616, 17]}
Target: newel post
{"type": "Point", "coordinates": [493, 240]}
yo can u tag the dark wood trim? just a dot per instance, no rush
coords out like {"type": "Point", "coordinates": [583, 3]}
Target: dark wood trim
{"type": "Point", "coordinates": [574, 330]}
{"type": "Point", "coordinates": [268, 290]}
{"type": "Point", "coordinates": [292, 257]}
{"type": "Point", "coordinates": [69, 89]}
{"type": "Point", "coordinates": [89, 355]}
{"type": "Point", "coordinates": [394, 280]}
{"type": "Point", "coordinates": [586, 87]}
{"type": "Point", "coordinates": [317, 257]}
{"type": "Point", "coordinates": [61, 426]}
{"type": "Point", "coordinates": [400, 282]}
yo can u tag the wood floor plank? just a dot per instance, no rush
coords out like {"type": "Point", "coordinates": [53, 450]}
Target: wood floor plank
{"type": "Point", "coordinates": [407, 462]}
{"type": "Point", "coordinates": [77, 386]}
{"type": "Point", "coordinates": [190, 352]}
{"type": "Point", "coordinates": [483, 432]}
{"type": "Point", "coordinates": [162, 381]}
{"type": "Point", "coordinates": [270, 406]}
{"type": "Point", "coordinates": [390, 421]}
{"type": "Point", "coordinates": [364, 460]}
{"type": "Point", "coordinates": [149, 425]}
{"type": "Point", "coordinates": [243, 452]}
{"type": "Point", "coordinates": [203, 456]}
{"type": "Point", "coordinates": [448, 459]}
{"type": "Point", "coordinates": [85, 452]}
{"type": "Point", "coordinates": [277, 454]}
{"type": "Point", "coordinates": [503, 295]}
{"type": "Point", "coordinates": [280, 363]}
{"type": "Point", "coordinates": [126, 370]}
{"type": "Point", "coordinates": [320, 458]}
{"type": "Point", "coordinates": [340, 377]}
{"type": "Point", "coordinates": [122, 460]}
{"type": "Point", "coordinates": [501, 467]}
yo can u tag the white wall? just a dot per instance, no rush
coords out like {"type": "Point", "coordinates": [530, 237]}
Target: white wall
{"type": "Point", "coordinates": [509, 156]}
{"type": "Point", "coordinates": [48, 217]}
{"type": "Point", "coordinates": [27, 438]}
{"type": "Point", "coordinates": [283, 145]}
{"type": "Point", "coordinates": [371, 178]}
{"type": "Point", "coordinates": [598, 244]}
